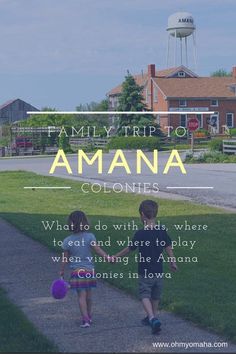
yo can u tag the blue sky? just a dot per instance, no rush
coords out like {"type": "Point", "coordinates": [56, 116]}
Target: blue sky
{"type": "Point", "coordinates": [60, 53]}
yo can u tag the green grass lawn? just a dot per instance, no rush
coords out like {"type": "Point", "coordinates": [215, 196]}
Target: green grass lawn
{"type": "Point", "coordinates": [17, 333]}
{"type": "Point", "coordinates": [203, 292]}
{"type": "Point", "coordinates": [182, 146]}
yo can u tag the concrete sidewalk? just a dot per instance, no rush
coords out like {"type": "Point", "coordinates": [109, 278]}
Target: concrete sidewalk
{"type": "Point", "coordinates": [27, 273]}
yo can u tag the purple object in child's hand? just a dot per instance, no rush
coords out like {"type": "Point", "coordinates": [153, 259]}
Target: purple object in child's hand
{"type": "Point", "coordinates": [59, 289]}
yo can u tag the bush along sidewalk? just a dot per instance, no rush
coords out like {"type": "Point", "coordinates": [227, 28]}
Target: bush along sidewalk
{"type": "Point", "coordinates": [210, 157]}
{"type": "Point", "coordinates": [216, 144]}
{"type": "Point", "coordinates": [132, 143]}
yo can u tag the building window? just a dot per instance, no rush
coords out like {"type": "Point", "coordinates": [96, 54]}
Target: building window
{"type": "Point", "coordinates": [155, 94]}
{"type": "Point", "coordinates": [230, 120]}
{"type": "Point", "coordinates": [214, 103]}
{"type": "Point", "coordinates": [181, 74]}
{"type": "Point", "coordinates": [183, 120]}
{"type": "Point", "coordinates": [112, 102]}
{"type": "Point", "coordinates": [182, 103]}
{"type": "Point", "coordinates": [200, 120]}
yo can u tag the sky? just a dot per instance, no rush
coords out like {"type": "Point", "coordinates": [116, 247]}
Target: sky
{"type": "Point", "coordinates": [60, 53]}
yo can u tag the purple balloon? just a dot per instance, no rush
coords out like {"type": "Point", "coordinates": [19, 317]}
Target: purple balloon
{"type": "Point", "coordinates": [59, 289]}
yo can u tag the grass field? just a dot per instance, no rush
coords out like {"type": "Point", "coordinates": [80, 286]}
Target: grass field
{"type": "Point", "coordinates": [183, 146]}
{"type": "Point", "coordinates": [202, 292]}
{"type": "Point", "coordinates": [17, 333]}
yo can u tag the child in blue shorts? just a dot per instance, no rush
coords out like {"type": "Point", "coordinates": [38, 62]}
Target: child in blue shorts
{"type": "Point", "coordinates": [151, 241]}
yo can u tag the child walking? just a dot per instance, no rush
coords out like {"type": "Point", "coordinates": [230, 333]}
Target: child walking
{"type": "Point", "coordinates": [77, 252]}
{"type": "Point", "coordinates": [151, 241]}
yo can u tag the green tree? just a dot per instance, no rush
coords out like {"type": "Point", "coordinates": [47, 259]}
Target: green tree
{"type": "Point", "coordinates": [93, 106]}
{"type": "Point", "coordinates": [221, 73]}
{"type": "Point", "coordinates": [63, 143]}
{"type": "Point", "coordinates": [131, 99]}
{"type": "Point", "coordinates": [75, 120]}
{"type": "Point", "coordinates": [95, 120]}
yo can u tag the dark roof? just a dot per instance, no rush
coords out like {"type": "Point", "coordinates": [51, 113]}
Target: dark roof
{"type": "Point", "coordinates": [9, 102]}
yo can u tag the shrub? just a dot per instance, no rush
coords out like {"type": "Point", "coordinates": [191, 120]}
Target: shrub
{"type": "Point", "coordinates": [130, 142]}
{"type": "Point", "coordinates": [216, 144]}
{"type": "Point", "coordinates": [63, 142]}
{"type": "Point", "coordinates": [5, 141]}
{"type": "Point", "coordinates": [233, 131]}
{"type": "Point", "coordinates": [210, 157]}
{"type": "Point", "coordinates": [201, 133]}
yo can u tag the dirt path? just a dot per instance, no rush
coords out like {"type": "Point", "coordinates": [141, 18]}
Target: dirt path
{"type": "Point", "coordinates": [26, 274]}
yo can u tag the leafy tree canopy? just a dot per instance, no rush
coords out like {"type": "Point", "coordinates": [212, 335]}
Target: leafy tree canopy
{"type": "Point", "coordinates": [131, 100]}
{"type": "Point", "coordinates": [70, 120]}
{"type": "Point", "coordinates": [221, 73]}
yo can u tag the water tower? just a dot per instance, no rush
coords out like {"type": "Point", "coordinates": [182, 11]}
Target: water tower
{"type": "Point", "coordinates": [180, 27]}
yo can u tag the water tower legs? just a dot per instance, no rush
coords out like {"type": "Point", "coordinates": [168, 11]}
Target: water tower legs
{"type": "Point", "coordinates": [175, 54]}
{"type": "Point", "coordinates": [168, 51]}
{"type": "Point", "coordinates": [186, 51]}
{"type": "Point", "coordinates": [183, 56]}
{"type": "Point", "coordinates": [194, 50]}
